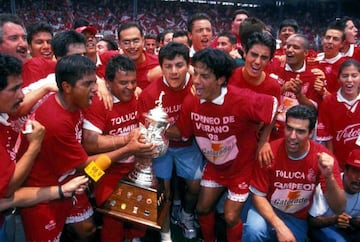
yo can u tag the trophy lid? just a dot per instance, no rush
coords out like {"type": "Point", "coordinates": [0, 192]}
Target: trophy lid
{"type": "Point", "coordinates": [158, 113]}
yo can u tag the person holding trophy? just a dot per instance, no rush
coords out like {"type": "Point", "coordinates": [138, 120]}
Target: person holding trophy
{"type": "Point", "coordinates": [169, 91]}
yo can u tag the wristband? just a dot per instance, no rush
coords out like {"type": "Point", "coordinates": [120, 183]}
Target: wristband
{"type": "Point", "coordinates": [61, 193]}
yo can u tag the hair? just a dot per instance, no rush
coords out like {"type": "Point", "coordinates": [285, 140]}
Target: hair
{"type": "Point", "coordinates": [72, 68]}
{"type": "Point", "coordinates": [160, 37]}
{"type": "Point", "coordinates": [195, 17]}
{"type": "Point", "coordinates": [80, 22]}
{"type": "Point", "coordinates": [348, 63]}
{"type": "Point", "coordinates": [150, 36]}
{"type": "Point", "coordinates": [262, 38]}
{"type": "Point", "coordinates": [239, 11]}
{"type": "Point", "coordinates": [230, 36]}
{"type": "Point", "coordinates": [129, 25]}
{"type": "Point", "coordinates": [38, 27]}
{"type": "Point", "coordinates": [116, 63]}
{"type": "Point", "coordinates": [111, 44]}
{"type": "Point", "coordinates": [337, 25]}
{"type": "Point", "coordinates": [173, 49]}
{"type": "Point", "coordinates": [181, 33]}
{"type": "Point", "coordinates": [344, 20]}
{"type": "Point", "coordinates": [61, 41]}
{"type": "Point", "coordinates": [249, 26]}
{"type": "Point", "coordinates": [306, 42]}
{"type": "Point", "coordinates": [219, 62]}
{"type": "Point", "coordinates": [9, 66]}
{"type": "Point", "coordinates": [289, 23]}
{"type": "Point", "coordinates": [9, 18]}
{"type": "Point", "coordinates": [303, 112]}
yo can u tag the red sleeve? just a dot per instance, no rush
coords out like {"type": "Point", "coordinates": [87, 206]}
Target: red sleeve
{"type": "Point", "coordinates": [96, 113]}
{"type": "Point", "coordinates": [35, 69]}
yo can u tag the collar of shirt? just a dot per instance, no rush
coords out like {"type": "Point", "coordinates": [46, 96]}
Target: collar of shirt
{"type": "Point", "coordinates": [220, 99]}
{"type": "Point", "coordinates": [334, 59]}
{"type": "Point", "coordinates": [115, 99]}
{"type": "Point", "coordinates": [350, 51]}
{"type": "Point", "coordinates": [302, 69]}
{"type": "Point", "coordinates": [341, 99]}
{"type": "Point", "coordinates": [187, 79]}
{"type": "Point", "coordinates": [192, 51]}
{"type": "Point", "coordinates": [4, 119]}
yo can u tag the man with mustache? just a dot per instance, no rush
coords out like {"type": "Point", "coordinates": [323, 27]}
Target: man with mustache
{"type": "Point", "coordinates": [325, 224]}
{"type": "Point", "coordinates": [13, 36]}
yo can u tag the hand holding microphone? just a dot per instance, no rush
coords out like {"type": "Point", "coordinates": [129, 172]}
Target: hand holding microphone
{"type": "Point", "coordinates": [95, 170]}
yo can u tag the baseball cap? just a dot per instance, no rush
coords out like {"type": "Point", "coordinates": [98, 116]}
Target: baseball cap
{"type": "Point", "coordinates": [354, 158]}
{"type": "Point", "coordinates": [89, 28]}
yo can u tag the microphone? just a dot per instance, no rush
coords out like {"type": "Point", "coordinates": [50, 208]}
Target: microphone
{"type": "Point", "coordinates": [95, 170]}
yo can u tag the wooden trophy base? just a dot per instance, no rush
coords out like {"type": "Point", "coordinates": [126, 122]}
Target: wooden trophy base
{"type": "Point", "coordinates": [137, 204]}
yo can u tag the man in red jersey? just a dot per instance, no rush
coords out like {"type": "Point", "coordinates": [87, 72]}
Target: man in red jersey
{"type": "Point", "coordinates": [296, 79]}
{"type": "Point", "coordinates": [109, 130]}
{"type": "Point", "coordinates": [282, 192]}
{"type": "Point", "coordinates": [330, 60]}
{"type": "Point", "coordinates": [184, 157]}
{"type": "Point", "coordinates": [259, 50]}
{"type": "Point", "coordinates": [219, 116]}
{"type": "Point", "coordinates": [200, 32]}
{"type": "Point", "coordinates": [131, 42]}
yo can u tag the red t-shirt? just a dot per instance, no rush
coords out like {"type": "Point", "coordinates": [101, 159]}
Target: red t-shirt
{"type": "Point", "coordinates": [61, 149]}
{"type": "Point", "coordinates": [171, 103]}
{"type": "Point", "coordinates": [221, 129]}
{"type": "Point", "coordinates": [337, 123]}
{"type": "Point", "coordinates": [289, 185]}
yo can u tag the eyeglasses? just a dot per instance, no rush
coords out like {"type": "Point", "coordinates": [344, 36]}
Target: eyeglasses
{"type": "Point", "coordinates": [127, 43]}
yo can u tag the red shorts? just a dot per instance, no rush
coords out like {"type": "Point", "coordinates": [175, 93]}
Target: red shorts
{"type": "Point", "coordinates": [45, 221]}
{"type": "Point", "coordinates": [237, 183]}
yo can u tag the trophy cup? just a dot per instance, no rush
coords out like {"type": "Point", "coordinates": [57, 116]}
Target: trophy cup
{"type": "Point", "coordinates": [139, 198]}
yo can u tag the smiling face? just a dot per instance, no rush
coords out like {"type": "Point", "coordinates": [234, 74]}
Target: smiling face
{"type": "Point", "coordinates": [175, 72]}
{"type": "Point", "coordinates": [132, 43]}
{"type": "Point", "coordinates": [207, 86]}
{"type": "Point", "coordinates": [101, 46]}
{"type": "Point", "coordinates": [150, 45]}
{"type": "Point", "coordinates": [90, 42]}
{"type": "Point", "coordinates": [349, 78]}
{"type": "Point", "coordinates": [297, 136]}
{"type": "Point", "coordinates": [295, 52]}
{"type": "Point", "coordinates": [123, 86]}
{"type": "Point", "coordinates": [11, 96]}
{"type": "Point", "coordinates": [201, 34]}
{"type": "Point", "coordinates": [256, 59]}
{"type": "Point", "coordinates": [41, 45]}
{"type": "Point", "coordinates": [14, 41]}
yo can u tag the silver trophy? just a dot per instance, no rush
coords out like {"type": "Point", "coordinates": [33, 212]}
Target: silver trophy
{"type": "Point", "coordinates": [156, 123]}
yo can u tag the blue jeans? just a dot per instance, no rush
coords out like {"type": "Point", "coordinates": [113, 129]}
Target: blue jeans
{"type": "Point", "coordinates": [333, 234]}
{"type": "Point", "coordinates": [256, 228]}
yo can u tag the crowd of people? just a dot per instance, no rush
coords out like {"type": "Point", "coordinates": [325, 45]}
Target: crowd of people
{"type": "Point", "coordinates": [264, 128]}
